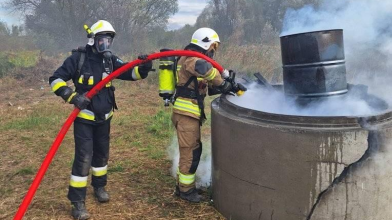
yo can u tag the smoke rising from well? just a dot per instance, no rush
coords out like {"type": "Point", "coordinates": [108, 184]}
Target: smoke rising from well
{"type": "Point", "coordinates": [368, 48]}
{"type": "Point", "coordinates": [203, 173]}
{"type": "Point", "coordinates": [274, 101]}
{"type": "Point", "coordinates": [367, 34]}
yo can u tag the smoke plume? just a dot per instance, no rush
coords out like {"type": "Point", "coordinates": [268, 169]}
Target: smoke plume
{"type": "Point", "coordinates": [367, 37]}
{"type": "Point", "coordinates": [368, 48]}
{"type": "Point", "coordinates": [203, 173]}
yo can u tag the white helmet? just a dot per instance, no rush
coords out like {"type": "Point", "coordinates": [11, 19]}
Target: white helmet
{"type": "Point", "coordinates": [204, 37]}
{"type": "Point", "coordinates": [101, 27]}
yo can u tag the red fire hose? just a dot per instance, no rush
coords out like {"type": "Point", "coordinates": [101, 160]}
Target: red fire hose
{"type": "Point", "coordinates": [56, 144]}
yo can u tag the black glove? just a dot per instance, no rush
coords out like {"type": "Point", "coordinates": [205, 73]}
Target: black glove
{"type": "Point", "coordinates": [226, 87]}
{"type": "Point", "coordinates": [80, 101]}
{"type": "Point", "coordinates": [213, 91]}
{"type": "Point", "coordinates": [238, 86]}
{"type": "Point", "coordinates": [143, 57]}
{"type": "Point", "coordinates": [144, 68]}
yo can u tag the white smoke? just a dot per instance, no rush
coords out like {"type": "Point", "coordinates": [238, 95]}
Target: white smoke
{"type": "Point", "coordinates": [274, 101]}
{"type": "Point", "coordinates": [203, 173]}
{"type": "Point", "coordinates": [367, 32]}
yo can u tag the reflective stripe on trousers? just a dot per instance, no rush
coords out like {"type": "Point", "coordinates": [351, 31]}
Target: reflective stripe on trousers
{"type": "Point", "coordinates": [186, 105]}
{"type": "Point", "coordinates": [185, 179]}
{"type": "Point", "coordinates": [91, 152]}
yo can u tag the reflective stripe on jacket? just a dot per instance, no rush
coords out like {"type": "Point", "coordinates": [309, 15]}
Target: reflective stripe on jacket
{"type": "Point", "coordinates": [206, 75]}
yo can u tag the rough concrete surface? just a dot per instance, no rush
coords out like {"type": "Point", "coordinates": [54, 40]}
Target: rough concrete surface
{"type": "Point", "coordinates": [266, 170]}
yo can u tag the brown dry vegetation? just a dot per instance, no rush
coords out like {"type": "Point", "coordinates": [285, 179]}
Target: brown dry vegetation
{"type": "Point", "coordinates": [140, 183]}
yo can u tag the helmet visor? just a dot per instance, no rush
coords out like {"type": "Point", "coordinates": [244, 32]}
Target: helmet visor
{"type": "Point", "coordinates": [103, 43]}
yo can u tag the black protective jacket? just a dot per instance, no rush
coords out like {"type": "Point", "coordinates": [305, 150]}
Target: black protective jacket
{"type": "Point", "coordinates": [94, 68]}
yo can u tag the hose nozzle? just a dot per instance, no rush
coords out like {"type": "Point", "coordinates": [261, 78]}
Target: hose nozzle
{"type": "Point", "coordinates": [240, 93]}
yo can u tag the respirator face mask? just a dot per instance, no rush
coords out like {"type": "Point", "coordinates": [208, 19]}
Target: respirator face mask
{"type": "Point", "coordinates": [213, 48]}
{"type": "Point", "coordinates": [103, 44]}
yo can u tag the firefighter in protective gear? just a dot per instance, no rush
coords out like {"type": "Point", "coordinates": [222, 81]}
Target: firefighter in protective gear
{"type": "Point", "coordinates": [86, 68]}
{"type": "Point", "coordinates": [195, 76]}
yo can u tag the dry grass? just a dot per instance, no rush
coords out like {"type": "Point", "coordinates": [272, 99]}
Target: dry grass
{"type": "Point", "coordinates": [253, 58]}
{"type": "Point", "coordinates": [140, 183]}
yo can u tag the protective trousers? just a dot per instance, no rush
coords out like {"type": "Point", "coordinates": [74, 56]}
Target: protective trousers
{"type": "Point", "coordinates": [91, 150]}
{"type": "Point", "coordinates": [190, 147]}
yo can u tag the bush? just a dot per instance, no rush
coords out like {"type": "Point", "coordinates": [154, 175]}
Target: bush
{"type": "Point", "coordinates": [5, 65]}
{"type": "Point", "coordinates": [21, 59]}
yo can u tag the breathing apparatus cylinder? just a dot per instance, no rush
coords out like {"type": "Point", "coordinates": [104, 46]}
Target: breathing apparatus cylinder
{"type": "Point", "coordinates": [167, 77]}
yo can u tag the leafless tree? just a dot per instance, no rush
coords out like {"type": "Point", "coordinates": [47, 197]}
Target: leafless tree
{"type": "Point", "coordinates": [63, 20]}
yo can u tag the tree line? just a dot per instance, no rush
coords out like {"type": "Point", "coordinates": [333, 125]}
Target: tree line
{"type": "Point", "coordinates": [141, 25]}
{"type": "Point", "coordinates": [57, 25]}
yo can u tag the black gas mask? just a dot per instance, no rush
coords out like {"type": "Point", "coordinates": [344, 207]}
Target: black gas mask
{"type": "Point", "coordinates": [211, 51]}
{"type": "Point", "coordinates": [103, 44]}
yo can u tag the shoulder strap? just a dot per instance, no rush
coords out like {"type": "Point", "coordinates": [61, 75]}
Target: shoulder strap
{"type": "Point", "coordinates": [81, 61]}
{"type": "Point", "coordinates": [82, 51]}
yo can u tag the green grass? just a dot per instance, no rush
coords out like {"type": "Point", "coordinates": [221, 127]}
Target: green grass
{"type": "Point", "coordinates": [118, 167]}
{"type": "Point", "coordinates": [30, 122]}
{"type": "Point", "coordinates": [153, 152]}
{"type": "Point", "coordinates": [21, 59]}
{"type": "Point", "coordinates": [161, 125]}
{"type": "Point", "coordinates": [25, 171]}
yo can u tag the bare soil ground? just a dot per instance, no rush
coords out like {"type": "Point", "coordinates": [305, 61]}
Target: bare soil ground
{"type": "Point", "coordinates": [140, 182]}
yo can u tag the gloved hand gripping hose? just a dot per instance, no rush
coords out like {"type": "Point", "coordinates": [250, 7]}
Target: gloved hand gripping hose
{"type": "Point", "coordinates": [60, 136]}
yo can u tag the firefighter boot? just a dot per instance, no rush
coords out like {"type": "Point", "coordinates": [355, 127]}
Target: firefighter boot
{"type": "Point", "coordinates": [79, 211]}
{"type": "Point", "coordinates": [101, 194]}
{"type": "Point", "coordinates": [191, 196]}
{"type": "Point", "coordinates": [177, 191]}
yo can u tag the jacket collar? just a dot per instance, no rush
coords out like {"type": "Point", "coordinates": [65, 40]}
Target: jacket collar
{"type": "Point", "coordinates": [93, 55]}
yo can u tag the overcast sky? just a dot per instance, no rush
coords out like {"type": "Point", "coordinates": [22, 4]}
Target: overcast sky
{"type": "Point", "coordinates": [187, 14]}
{"type": "Point", "coordinates": [9, 18]}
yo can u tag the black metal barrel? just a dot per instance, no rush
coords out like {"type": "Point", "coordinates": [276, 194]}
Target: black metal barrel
{"type": "Point", "coordinates": [314, 63]}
